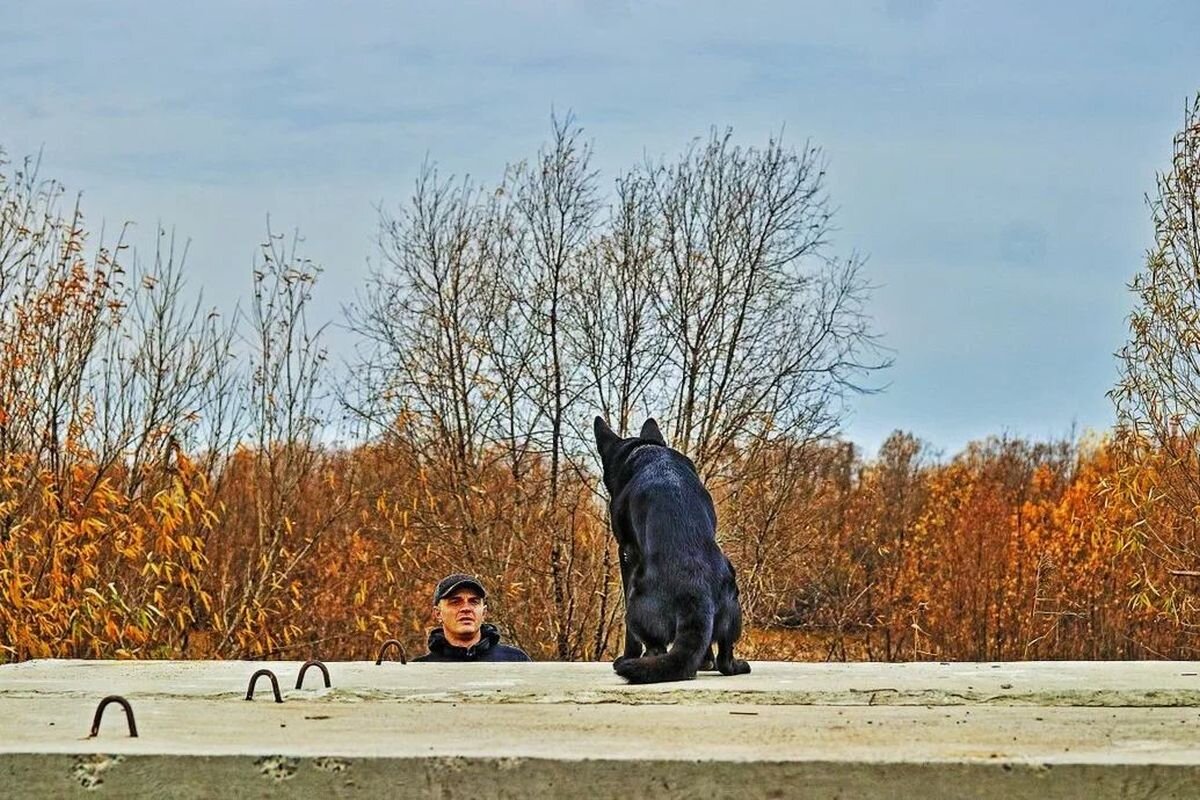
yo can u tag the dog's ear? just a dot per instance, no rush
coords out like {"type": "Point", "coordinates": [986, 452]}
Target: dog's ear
{"type": "Point", "coordinates": [605, 438]}
{"type": "Point", "coordinates": [650, 431]}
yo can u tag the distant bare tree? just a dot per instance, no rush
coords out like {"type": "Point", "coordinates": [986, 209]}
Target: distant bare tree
{"type": "Point", "coordinates": [116, 357]}
{"type": "Point", "coordinates": [896, 490]}
{"type": "Point", "coordinates": [109, 369]}
{"type": "Point", "coordinates": [285, 393]}
{"type": "Point", "coordinates": [513, 342]}
{"type": "Point", "coordinates": [556, 202]}
{"type": "Point", "coordinates": [429, 318]}
{"type": "Point", "coordinates": [615, 333]}
{"type": "Point", "coordinates": [768, 330]}
{"type": "Point", "coordinates": [58, 303]}
{"type": "Point", "coordinates": [1158, 394]}
{"type": "Point", "coordinates": [436, 321]}
{"type": "Point", "coordinates": [161, 377]}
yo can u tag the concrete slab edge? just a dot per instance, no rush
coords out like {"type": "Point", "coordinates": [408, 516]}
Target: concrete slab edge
{"type": "Point", "coordinates": [179, 776]}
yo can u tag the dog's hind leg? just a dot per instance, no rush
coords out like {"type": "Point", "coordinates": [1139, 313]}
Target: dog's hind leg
{"type": "Point", "coordinates": [633, 646]}
{"type": "Point", "coordinates": [709, 663]}
{"type": "Point", "coordinates": [726, 663]}
{"type": "Point", "coordinates": [728, 629]}
{"type": "Point", "coordinates": [688, 632]}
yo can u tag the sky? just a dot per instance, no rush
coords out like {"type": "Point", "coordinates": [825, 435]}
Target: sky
{"type": "Point", "coordinates": [991, 160]}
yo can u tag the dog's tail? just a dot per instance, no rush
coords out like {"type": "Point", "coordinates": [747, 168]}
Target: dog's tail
{"type": "Point", "coordinates": [693, 635]}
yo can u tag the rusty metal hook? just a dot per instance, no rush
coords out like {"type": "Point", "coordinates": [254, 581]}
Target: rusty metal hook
{"type": "Point", "coordinates": [274, 684]}
{"type": "Point", "coordinates": [113, 698]}
{"type": "Point", "coordinates": [393, 643]}
{"type": "Point", "coordinates": [313, 663]}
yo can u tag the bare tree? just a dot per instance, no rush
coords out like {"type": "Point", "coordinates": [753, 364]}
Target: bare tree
{"type": "Point", "coordinates": [429, 317]}
{"type": "Point", "coordinates": [287, 414]}
{"type": "Point", "coordinates": [615, 335]}
{"type": "Point", "coordinates": [705, 296]}
{"type": "Point", "coordinates": [615, 338]}
{"type": "Point", "coordinates": [161, 377]}
{"type": "Point", "coordinates": [1158, 394]}
{"type": "Point", "coordinates": [436, 320]}
{"type": "Point", "coordinates": [108, 368]}
{"type": "Point", "coordinates": [513, 342]}
{"type": "Point", "coordinates": [57, 305]}
{"type": "Point", "coordinates": [121, 355]}
{"type": "Point", "coordinates": [556, 202]}
{"type": "Point", "coordinates": [768, 329]}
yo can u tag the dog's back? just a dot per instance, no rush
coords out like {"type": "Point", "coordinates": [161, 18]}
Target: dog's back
{"type": "Point", "coordinates": [680, 588]}
{"type": "Point", "coordinates": [672, 517]}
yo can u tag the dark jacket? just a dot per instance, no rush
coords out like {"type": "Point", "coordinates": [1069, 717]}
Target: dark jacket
{"type": "Point", "coordinates": [488, 648]}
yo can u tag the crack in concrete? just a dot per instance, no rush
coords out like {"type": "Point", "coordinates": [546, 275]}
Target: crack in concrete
{"type": "Point", "coordinates": [880, 696]}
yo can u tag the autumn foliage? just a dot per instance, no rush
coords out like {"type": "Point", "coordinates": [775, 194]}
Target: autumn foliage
{"type": "Point", "coordinates": [1007, 551]}
{"type": "Point", "coordinates": [178, 484]}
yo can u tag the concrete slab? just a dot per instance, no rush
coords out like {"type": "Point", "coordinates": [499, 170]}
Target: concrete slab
{"type": "Point", "coordinates": [1042, 683]}
{"type": "Point", "coordinates": [545, 730]}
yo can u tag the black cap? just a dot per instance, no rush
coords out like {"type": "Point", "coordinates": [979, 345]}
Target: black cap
{"type": "Point", "coordinates": [449, 584]}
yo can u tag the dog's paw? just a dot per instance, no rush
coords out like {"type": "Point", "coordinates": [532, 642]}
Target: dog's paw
{"type": "Point", "coordinates": [735, 667]}
{"type": "Point", "coordinates": [708, 664]}
{"type": "Point", "coordinates": [619, 660]}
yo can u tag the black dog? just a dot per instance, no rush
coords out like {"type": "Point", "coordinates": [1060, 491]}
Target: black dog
{"type": "Point", "coordinates": [680, 589]}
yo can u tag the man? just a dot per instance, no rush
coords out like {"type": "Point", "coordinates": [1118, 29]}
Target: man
{"type": "Point", "coordinates": [458, 603]}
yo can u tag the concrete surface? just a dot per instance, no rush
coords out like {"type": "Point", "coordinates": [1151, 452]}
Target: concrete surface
{"type": "Point", "coordinates": [927, 730]}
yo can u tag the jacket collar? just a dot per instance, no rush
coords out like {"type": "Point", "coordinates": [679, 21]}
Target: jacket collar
{"type": "Point", "coordinates": [489, 637]}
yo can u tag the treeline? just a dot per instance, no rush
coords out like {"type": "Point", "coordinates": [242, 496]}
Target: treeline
{"type": "Point", "coordinates": [1010, 550]}
{"type": "Point", "coordinates": [180, 483]}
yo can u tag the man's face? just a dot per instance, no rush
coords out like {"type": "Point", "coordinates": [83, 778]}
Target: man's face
{"type": "Point", "coordinates": [461, 614]}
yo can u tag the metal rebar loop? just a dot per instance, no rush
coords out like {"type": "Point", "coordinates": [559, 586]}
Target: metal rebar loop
{"type": "Point", "coordinates": [394, 644]}
{"type": "Point", "coordinates": [274, 684]}
{"type": "Point", "coordinates": [113, 698]}
{"type": "Point", "coordinates": [313, 663]}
